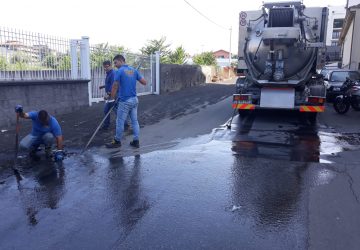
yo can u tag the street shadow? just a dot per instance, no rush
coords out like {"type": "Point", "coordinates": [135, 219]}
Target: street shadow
{"type": "Point", "coordinates": [129, 203]}
{"type": "Point", "coordinates": [45, 191]}
{"type": "Point", "coordinates": [301, 142]}
{"type": "Point", "coordinates": [270, 192]}
{"type": "Point", "coordinates": [270, 158]}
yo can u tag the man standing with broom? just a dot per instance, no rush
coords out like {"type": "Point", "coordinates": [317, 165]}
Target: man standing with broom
{"type": "Point", "coordinates": [124, 88]}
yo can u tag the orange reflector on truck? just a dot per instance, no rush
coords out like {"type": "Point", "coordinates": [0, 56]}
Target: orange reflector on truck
{"type": "Point", "coordinates": [312, 108]}
{"type": "Point", "coordinates": [243, 106]}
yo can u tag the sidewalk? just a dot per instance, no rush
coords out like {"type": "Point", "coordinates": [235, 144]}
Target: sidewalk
{"type": "Point", "coordinates": [79, 126]}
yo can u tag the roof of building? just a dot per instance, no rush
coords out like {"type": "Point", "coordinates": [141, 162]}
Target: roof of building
{"type": "Point", "coordinates": [347, 23]}
{"type": "Point", "coordinates": [221, 50]}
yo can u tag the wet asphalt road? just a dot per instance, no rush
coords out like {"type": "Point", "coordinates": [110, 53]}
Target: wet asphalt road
{"type": "Point", "coordinates": [271, 182]}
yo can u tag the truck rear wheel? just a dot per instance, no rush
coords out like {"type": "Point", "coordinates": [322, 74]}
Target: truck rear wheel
{"type": "Point", "coordinates": [312, 118]}
{"type": "Point", "coordinates": [308, 118]}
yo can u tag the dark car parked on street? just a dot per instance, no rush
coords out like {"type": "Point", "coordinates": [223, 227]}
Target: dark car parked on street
{"type": "Point", "coordinates": [335, 79]}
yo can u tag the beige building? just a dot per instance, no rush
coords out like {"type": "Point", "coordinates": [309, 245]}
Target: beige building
{"type": "Point", "coordinates": [350, 36]}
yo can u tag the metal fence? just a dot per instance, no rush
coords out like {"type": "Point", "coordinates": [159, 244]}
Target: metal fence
{"type": "Point", "coordinates": [102, 52]}
{"type": "Point", "coordinates": [28, 55]}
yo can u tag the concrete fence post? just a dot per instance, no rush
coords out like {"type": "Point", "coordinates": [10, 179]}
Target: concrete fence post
{"type": "Point", "coordinates": [74, 59]}
{"type": "Point", "coordinates": [85, 64]}
{"type": "Point", "coordinates": [157, 72]}
{"type": "Point", "coordinates": [152, 73]}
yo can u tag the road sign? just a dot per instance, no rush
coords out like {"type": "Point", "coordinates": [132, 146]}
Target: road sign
{"type": "Point", "coordinates": [243, 15]}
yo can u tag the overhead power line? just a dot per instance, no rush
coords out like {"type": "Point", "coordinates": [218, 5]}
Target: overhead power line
{"type": "Point", "coordinates": [205, 16]}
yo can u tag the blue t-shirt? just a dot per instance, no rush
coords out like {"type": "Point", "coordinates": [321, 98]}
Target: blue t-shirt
{"type": "Point", "coordinates": [109, 80]}
{"type": "Point", "coordinates": [127, 77]}
{"type": "Point", "coordinates": [39, 130]}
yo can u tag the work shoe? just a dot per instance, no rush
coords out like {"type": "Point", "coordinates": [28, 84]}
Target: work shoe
{"type": "Point", "coordinates": [113, 144]}
{"type": "Point", "coordinates": [48, 152]}
{"type": "Point", "coordinates": [135, 144]}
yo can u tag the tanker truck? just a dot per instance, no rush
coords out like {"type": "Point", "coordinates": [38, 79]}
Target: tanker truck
{"type": "Point", "coordinates": [280, 48]}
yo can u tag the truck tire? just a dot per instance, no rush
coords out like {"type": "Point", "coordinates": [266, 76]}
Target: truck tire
{"type": "Point", "coordinates": [307, 119]}
{"type": "Point", "coordinates": [312, 118]}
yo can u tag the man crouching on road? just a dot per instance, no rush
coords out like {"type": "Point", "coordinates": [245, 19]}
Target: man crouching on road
{"type": "Point", "coordinates": [125, 89]}
{"type": "Point", "coordinates": [45, 129]}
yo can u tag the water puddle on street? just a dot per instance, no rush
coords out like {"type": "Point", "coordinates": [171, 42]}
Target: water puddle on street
{"type": "Point", "coordinates": [254, 178]}
{"type": "Point", "coordinates": [303, 145]}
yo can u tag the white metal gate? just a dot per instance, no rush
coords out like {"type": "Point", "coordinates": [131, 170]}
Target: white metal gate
{"type": "Point", "coordinates": [147, 66]}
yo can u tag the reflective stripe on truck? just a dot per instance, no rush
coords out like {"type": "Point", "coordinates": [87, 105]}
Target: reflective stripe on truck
{"type": "Point", "coordinates": [312, 108]}
{"type": "Point", "coordinates": [243, 106]}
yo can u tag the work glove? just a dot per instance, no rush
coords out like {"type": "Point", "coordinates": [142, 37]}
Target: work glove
{"type": "Point", "coordinates": [19, 109]}
{"type": "Point", "coordinates": [59, 155]}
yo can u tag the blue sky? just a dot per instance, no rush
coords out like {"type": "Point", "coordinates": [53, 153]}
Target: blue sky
{"type": "Point", "coordinates": [132, 23]}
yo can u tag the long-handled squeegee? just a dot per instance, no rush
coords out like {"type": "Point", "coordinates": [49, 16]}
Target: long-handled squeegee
{"type": "Point", "coordinates": [103, 120]}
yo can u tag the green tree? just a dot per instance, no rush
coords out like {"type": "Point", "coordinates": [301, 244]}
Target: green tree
{"type": "Point", "coordinates": [20, 61]}
{"type": "Point", "coordinates": [50, 61]}
{"type": "Point", "coordinates": [3, 63]}
{"type": "Point", "coordinates": [178, 56]}
{"type": "Point", "coordinates": [157, 45]}
{"type": "Point", "coordinates": [117, 49]}
{"type": "Point", "coordinates": [20, 57]}
{"type": "Point", "coordinates": [64, 62]}
{"type": "Point", "coordinates": [103, 51]}
{"type": "Point", "coordinates": [205, 58]}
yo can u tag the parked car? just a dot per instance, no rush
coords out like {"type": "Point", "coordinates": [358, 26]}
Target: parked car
{"type": "Point", "coordinates": [335, 79]}
{"type": "Point", "coordinates": [327, 68]}
{"type": "Point", "coordinates": [325, 72]}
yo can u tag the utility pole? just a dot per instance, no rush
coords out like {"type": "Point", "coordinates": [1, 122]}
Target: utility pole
{"type": "Point", "coordinates": [230, 52]}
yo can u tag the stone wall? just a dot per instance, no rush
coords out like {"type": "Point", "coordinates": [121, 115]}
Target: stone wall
{"type": "Point", "coordinates": [57, 97]}
{"type": "Point", "coordinates": [175, 77]}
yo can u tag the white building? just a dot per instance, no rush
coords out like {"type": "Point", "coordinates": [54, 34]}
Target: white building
{"type": "Point", "coordinates": [334, 26]}
{"type": "Point", "coordinates": [335, 23]}
{"type": "Point", "coordinates": [350, 36]}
